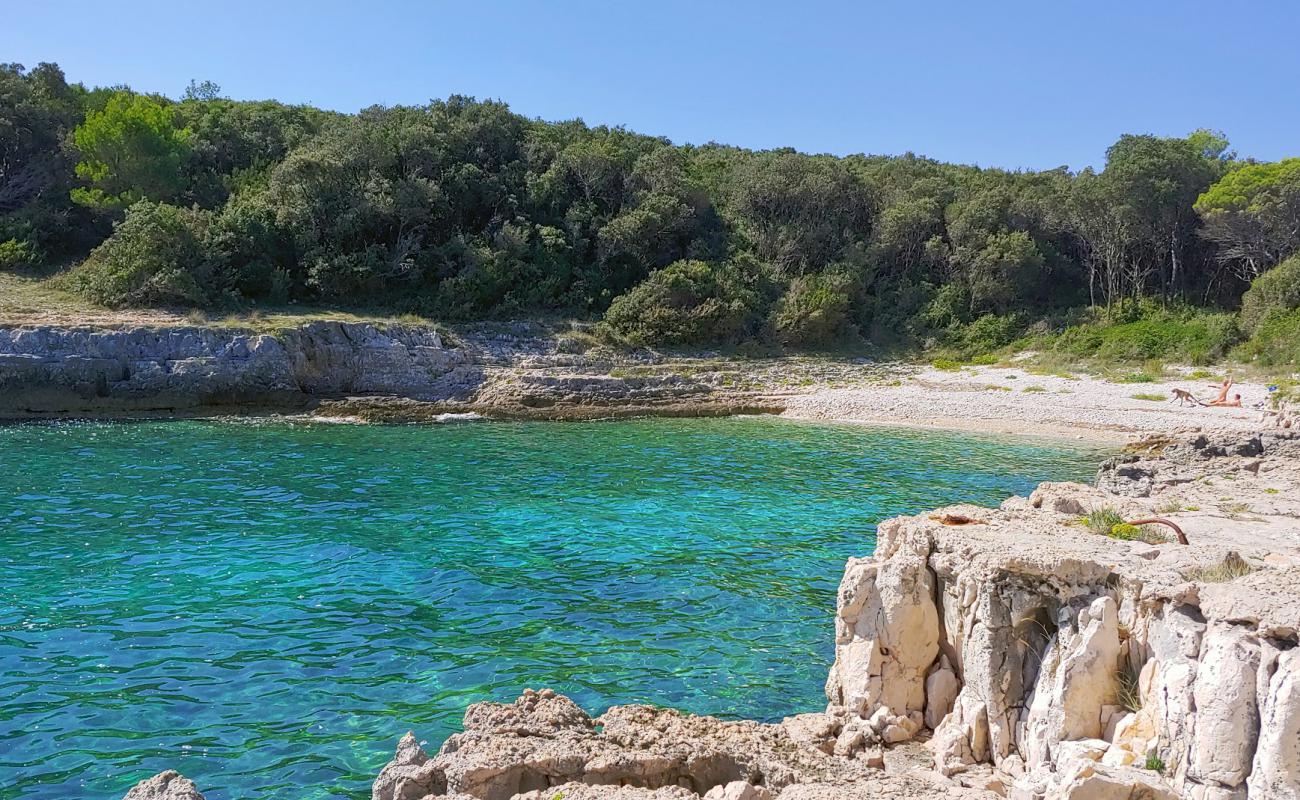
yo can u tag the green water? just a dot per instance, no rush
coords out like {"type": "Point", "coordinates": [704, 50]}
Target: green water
{"type": "Point", "coordinates": [269, 606]}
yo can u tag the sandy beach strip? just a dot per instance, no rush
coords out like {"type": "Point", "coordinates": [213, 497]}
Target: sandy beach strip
{"type": "Point", "coordinates": [1008, 400]}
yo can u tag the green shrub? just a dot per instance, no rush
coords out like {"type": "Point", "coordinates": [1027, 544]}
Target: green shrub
{"type": "Point", "coordinates": [686, 303]}
{"type": "Point", "coordinates": [1148, 396]}
{"type": "Point", "coordinates": [154, 257]}
{"type": "Point", "coordinates": [1101, 520]}
{"type": "Point", "coordinates": [15, 254]}
{"type": "Point", "coordinates": [1192, 335]}
{"type": "Point", "coordinates": [1276, 341]}
{"type": "Point", "coordinates": [946, 364]}
{"type": "Point", "coordinates": [1135, 533]}
{"type": "Point", "coordinates": [990, 332]}
{"type": "Point", "coordinates": [814, 311]}
{"type": "Point", "coordinates": [1275, 290]}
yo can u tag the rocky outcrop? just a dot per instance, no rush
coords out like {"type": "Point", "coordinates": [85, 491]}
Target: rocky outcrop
{"type": "Point", "coordinates": [1084, 666]}
{"type": "Point", "coordinates": [71, 370]}
{"type": "Point", "coordinates": [367, 372]}
{"type": "Point", "coordinates": [169, 785]}
{"type": "Point", "coordinates": [543, 745]}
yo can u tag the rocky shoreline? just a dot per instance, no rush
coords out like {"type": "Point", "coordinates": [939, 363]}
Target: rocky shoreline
{"type": "Point", "coordinates": [362, 371]}
{"type": "Point", "coordinates": [398, 373]}
{"type": "Point", "coordinates": [1008, 652]}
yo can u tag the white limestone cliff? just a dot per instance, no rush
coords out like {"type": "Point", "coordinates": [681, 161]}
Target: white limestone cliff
{"type": "Point", "coordinates": [1087, 666]}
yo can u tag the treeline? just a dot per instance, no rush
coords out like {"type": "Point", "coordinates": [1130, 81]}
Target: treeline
{"type": "Point", "coordinates": [462, 209]}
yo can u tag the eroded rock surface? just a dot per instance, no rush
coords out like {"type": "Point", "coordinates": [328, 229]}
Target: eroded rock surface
{"type": "Point", "coordinates": [169, 785]}
{"type": "Point", "coordinates": [70, 370]}
{"type": "Point", "coordinates": [1086, 666]}
{"type": "Point", "coordinates": [543, 743]}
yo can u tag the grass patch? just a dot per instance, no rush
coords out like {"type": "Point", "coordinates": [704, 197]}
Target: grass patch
{"type": "Point", "coordinates": [1235, 508]}
{"type": "Point", "coordinates": [1101, 520]}
{"type": "Point", "coordinates": [1232, 567]}
{"type": "Point", "coordinates": [1155, 764]}
{"type": "Point", "coordinates": [1128, 695]}
{"type": "Point", "coordinates": [1033, 389]}
{"type": "Point", "coordinates": [946, 364]}
{"type": "Point", "coordinates": [993, 387]}
{"type": "Point", "coordinates": [1135, 377]}
{"type": "Point", "coordinates": [1134, 533]}
{"type": "Point", "coordinates": [1106, 521]}
{"type": "Point", "coordinates": [1155, 398]}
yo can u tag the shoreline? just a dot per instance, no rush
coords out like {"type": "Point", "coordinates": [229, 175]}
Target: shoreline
{"type": "Point", "coordinates": [397, 373]}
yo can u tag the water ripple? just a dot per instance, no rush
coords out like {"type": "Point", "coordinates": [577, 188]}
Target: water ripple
{"type": "Point", "coordinates": [267, 607]}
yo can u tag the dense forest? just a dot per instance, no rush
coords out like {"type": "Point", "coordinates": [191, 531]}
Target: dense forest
{"type": "Point", "coordinates": [461, 209]}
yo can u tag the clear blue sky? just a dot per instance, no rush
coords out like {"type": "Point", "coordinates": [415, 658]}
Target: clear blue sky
{"type": "Point", "coordinates": [1014, 84]}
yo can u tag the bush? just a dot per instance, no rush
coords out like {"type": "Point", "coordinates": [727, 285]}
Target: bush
{"type": "Point", "coordinates": [15, 254]}
{"type": "Point", "coordinates": [1192, 335]}
{"type": "Point", "coordinates": [814, 311]}
{"type": "Point", "coordinates": [1276, 341]}
{"type": "Point", "coordinates": [154, 257]}
{"type": "Point", "coordinates": [989, 332]}
{"type": "Point", "coordinates": [1275, 290]}
{"type": "Point", "coordinates": [686, 303]}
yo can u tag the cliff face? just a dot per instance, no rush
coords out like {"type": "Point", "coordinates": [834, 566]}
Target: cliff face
{"type": "Point", "coordinates": [1066, 659]}
{"type": "Point", "coordinates": [383, 373]}
{"type": "Point", "coordinates": [68, 370]}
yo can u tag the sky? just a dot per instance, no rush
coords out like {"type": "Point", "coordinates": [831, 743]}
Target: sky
{"type": "Point", "coordinates": [1011, 83]}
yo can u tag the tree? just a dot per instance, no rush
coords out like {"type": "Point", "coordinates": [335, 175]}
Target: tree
{"type": "Point", "coordinates": [130, 151]}
{"type": "Point", "coordinates": [202, 92]}
{"type": "Point", "coordinates": [1253, 216]}
{"type": "Point", "coordinates": [800, 212]}
{"type": "Point", "coordinates": [1274, 291]}
{"type": "Point", "coordinates": [1154, 182]}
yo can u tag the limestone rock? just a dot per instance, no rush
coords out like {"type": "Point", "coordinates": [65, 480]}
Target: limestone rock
{"type": "Point", "coordinates": [1042, 623]}
{"type": "Point", "coordinates": [582, 791]}
{"type": "Point", "coordinates": [1074, 499]}
{"type": "Point", "coordinates": [70, 370]}
{"type": "Point", "coordinates": [1091, 781]}
{"type": "Point", "coordinates": [1276, 772]}
{"type": "Point", "coordinates": [887, 633]}
{"type": "Point", "coordinates": [1227, 719]}
{"type": "Point", "coordinates": [941, 688]}
{"type": "Point", "coordinates": [813, 730]}
{"type": "Point", "coordinates": [738, 790]}
{"type": "Point", "coordinates": [169, 785]}
{"type": "Point", "coordinates": [543, 742]}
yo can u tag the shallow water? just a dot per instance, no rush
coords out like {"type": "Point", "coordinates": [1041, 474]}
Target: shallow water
{"type": "Point", "coordinates": [268, 606]}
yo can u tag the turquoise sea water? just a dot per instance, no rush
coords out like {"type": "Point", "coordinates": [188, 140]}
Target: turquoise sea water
{"type": "Point", "coordinates": [269, 606]}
